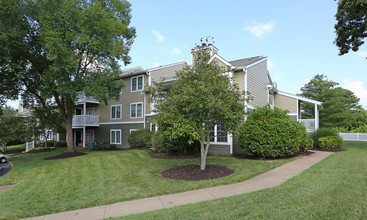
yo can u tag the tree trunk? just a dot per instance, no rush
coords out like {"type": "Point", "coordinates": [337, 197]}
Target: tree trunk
{"type": "Point", "coordinates": [204, 152]}
{"type": "Point", "coordinates": [69, 134]}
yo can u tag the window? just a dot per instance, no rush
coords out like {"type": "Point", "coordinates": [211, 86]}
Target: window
{"type": "Point", "coordinates": [115, 111]}
{"type": "Point", "coordinates": [137, 83]}
{"type": "Point", "coordinates": [217, 134]}
{"type": "Point", "coordinates": [115, 136]}
{"type": "Point", "coordinates": [153, 127]}
{"type": "Point", "coordinates": [136, 110]}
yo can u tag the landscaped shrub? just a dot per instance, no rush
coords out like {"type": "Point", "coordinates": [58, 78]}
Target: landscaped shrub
{"type": "Point", "coordinates": [270, 133]}
{"type": "Point", "coordinates": [164, 144]}
{"type": "Point", "coordinates": [61, 144]}
{"type": "Point", "coordinates": [140, 139]}
{"type": "Point", "coordinates": [50, 143]}
{"type": "Point", "coordinates": [306, 145]}
{"type": "Point", "coordinates": [330, 142]}
{"type": "Point", "coordinates": [321, 132]}
{"type": "Point", "coordinates": [105, 147]}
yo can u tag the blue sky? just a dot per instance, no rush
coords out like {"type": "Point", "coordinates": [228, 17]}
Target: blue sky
{"type": "Point", "coordinates": [296, 36]}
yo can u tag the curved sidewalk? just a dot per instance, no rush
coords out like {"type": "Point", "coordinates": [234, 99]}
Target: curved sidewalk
{"type": "Point", "coordinates": [269, 179]}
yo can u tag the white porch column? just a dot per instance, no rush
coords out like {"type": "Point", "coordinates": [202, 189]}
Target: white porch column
{"type": "Point", "coordinates": [316, 117]}
{"type": "Point", "coordinates": [84, 118]}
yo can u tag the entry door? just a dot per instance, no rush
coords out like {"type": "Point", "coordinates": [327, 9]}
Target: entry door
{"type": "Point", "coordinates": [78, 136]}
{"type": "Point", "coordinates": [89, 136]}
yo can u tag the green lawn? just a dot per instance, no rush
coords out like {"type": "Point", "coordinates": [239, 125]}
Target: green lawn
{"type": "Point", "coordinates": [335, 188]}
{"type": "Point", "coordinates": [16, 147]}
{"type": "Point", "coordinates": [49, 186]}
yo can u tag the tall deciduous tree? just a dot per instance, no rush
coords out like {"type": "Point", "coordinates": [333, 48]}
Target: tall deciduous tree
{"type": "Point", "coordinates": [202, 96]}
{"type": "Point", "coordinates": [51, 50]}
{"type": "Point", "coordinates": [11, 127]}
{"type": "Point", "coordinates": [351, 27]}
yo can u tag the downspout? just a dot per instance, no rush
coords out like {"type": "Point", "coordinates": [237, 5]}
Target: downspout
{"type": "Point", "coordinates": [84, 119]}
{"type": "Point", "coordinates": [245, 89]}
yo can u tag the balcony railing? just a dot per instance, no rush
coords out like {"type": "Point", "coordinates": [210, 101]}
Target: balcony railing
{"type": "Point", "coordinates": [83, 98]}
{"type": "Point", "coordinates": [88, 120]}
{"type": "Point", "coordinates": [308, 123]}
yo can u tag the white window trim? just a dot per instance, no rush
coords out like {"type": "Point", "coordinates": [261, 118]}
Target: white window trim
{"type": "Point", "coordinates": [120, 112]}
{"type": "Point", "coordinates": [151, 127]}
{"type": "Point", "coordinates": [131, 130]}
{"type": "Point", "coordinates": [216, 136]}
{"type": "Point", "coordinates": [131, 83]}
{"type": "Point", "coordinates": [142, 109]}
{"type": "Point", "coordinates": [119, 130]}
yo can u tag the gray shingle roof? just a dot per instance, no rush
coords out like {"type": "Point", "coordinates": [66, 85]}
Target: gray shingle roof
{"type": "Point", "coordinates": [246, 61]}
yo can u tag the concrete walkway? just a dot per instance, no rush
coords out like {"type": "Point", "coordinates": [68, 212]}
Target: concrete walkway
{"type": "Point", "coordinates": [270, 179]}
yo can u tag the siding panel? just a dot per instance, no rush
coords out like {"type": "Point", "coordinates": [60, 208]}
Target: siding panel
{"type": "Point", "coordinates": [285, 103]}
{"type": "Point", "coordinates": [257, 84]}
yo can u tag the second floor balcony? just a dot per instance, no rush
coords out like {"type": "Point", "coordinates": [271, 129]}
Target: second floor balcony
{"type": "Point", "coordinates": [85, 120]}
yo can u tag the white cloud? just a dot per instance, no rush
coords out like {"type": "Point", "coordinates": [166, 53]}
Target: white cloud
{"type": "Point", "coordinates": [176, 51]}
{"type": "Point", "coordinates": [155, 64]}
{"type": "Point", "coordinates": [270, 64]}
{"type": "Point", "coordinates": [259, 29]}
{"type": "Point", "coordinates": [357, 87]}
{"type": "Point", "coordinates": [363, 54]}
{"type": "Point", "coordinates": [158, 35]}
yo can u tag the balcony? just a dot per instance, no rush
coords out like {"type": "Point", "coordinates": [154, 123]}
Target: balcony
{"type": "Point", "coordinates": [82, 98]}
{"type": "Point", "coordinates": [309, 124]}
{"type": "Point", "coordinates": [85, 120]}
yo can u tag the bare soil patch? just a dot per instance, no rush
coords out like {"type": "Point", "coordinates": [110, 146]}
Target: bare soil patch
{"type": "Point", "coordinates": [65, 155]}
{"type": "Point", "coordinates": [193, 172]}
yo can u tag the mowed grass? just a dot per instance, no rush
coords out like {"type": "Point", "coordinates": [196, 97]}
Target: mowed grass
{"type": "Point", "coordinates": [18, 147]}
{"type": "Point", "coordinates": [105, 177]}
{"type": "Point", "coordinates": [335, 188]}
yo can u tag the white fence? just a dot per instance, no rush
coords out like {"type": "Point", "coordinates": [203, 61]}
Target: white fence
{"type": "Point", "coordinates": [30, 145]}
{"type": "Point", "coordinates": [308, 123]}
{"type": "Point", "coordinates": [353, 136]}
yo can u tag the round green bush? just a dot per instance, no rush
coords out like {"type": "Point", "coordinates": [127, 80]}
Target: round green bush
{"type": "Point", "coordinates": [180, 145]}
{"type": "Point", "coordinates": [330, 142]}
{"type": "Point", "coordinates": [270, 133]}
{"type": "Point", "coordinates": [140, 139]}
{"type": "Point", "coordinates": [322, 132]}
{"type": "Point", "coordinates": [306, 145]}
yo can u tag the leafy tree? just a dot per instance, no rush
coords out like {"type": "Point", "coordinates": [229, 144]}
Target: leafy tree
{"type": "Point", "coordinates": [339, 109]}
{"type": "Point", "coordinates": [11, 127]}
{"type": "Point", "coordinates": [51, 50]}
{"type": "Point", "coordinates": [351, 26]}
{"type": "Point", "coordinates": [202, 96]}
{"type": "Point", "coordinates": [313, 90]}
{"type": "Point", "coordinates": [340, 106]}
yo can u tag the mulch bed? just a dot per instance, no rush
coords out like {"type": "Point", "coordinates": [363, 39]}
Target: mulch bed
{"type": "Point", "coordinates": [193, 172]}
{"type": "Point", "coordinates": [173, 156]}
{"type": "Point", "coordinates": [65, 155]}
{"type": "Point", "coordinates": [41, 151]}
{"type": "Point", "coordinates": [329, 150]}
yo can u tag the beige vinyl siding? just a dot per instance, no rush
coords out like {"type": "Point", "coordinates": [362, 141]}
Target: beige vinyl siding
{"type": "Point", "coordinates": [219, 149]}
{"type": "Point", "coordinates": [166, 73]}
{"type": "Point", "coordinates": [219, 62]}
{"type": "Point", "coordinates": [126, 98]}
{"type": "Point", "coordinates": [102, 133]}
{"type": "Point", "coordinates": [257, 84]}
{"type": "Point", "coordinates": [285, 103]}
{"type": "Point", "coordinates": [239, 79]}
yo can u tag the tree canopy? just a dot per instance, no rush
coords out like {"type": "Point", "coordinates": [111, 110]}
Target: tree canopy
{"type": "Point", "coordinates": [313, 90]}
{"type": "Point", "coordinates": [11, 127]}
{"type": "Point", "coordinates": [51, 50]}
{"type": "Point", "coordinates": [202, 96]}
{"type": "Point", "coordinates": [340, 106]}
{"type": "Point", "coordinates": [351, 26]}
